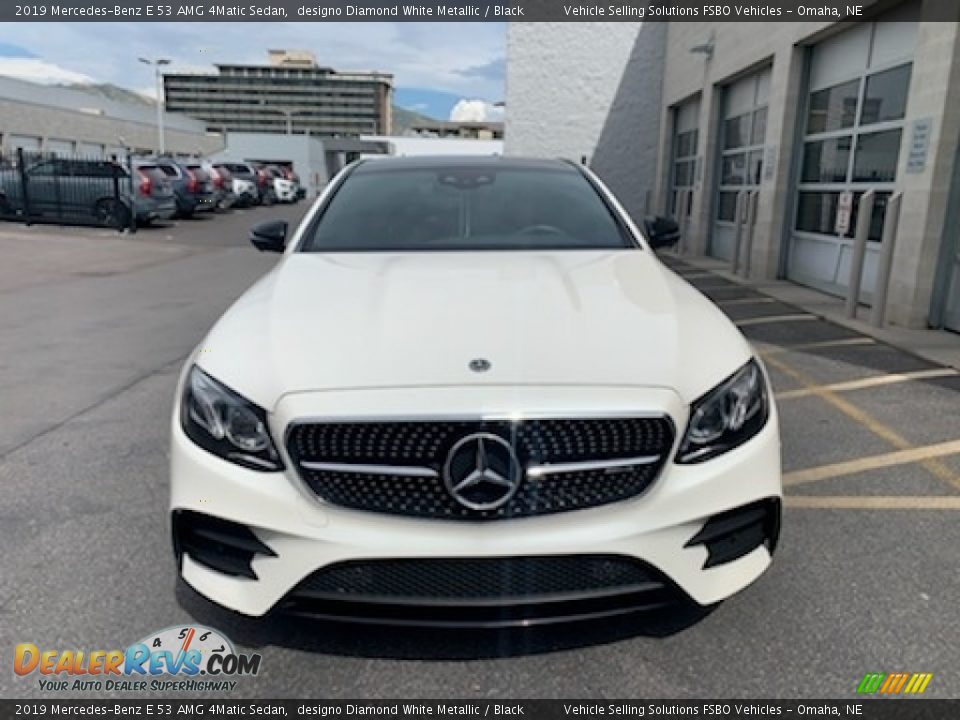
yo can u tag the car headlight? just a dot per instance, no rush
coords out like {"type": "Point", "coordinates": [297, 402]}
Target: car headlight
{"type": "Point", "coordinates": [727, 416]}
{"type": "Point", "coordinates": [226, 424]}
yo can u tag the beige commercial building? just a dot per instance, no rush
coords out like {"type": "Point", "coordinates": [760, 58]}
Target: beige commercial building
{"type": "Point", "coordinates": [291, 94]}
{"type": "Point", "coordinates": [800, 119]}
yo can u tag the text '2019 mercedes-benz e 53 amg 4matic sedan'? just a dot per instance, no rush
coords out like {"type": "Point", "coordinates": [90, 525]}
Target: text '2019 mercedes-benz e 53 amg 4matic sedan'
{"type": "Point", "coordinates": [470, 394]}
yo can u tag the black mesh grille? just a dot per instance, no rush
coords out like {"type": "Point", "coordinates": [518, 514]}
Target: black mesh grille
{"type": "Point", "coordinates": [480, 580]}
{"type": "Point", "coordinates": [427, 444]}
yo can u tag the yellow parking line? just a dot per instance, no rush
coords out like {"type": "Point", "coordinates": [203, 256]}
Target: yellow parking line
{"type": "Point", "coordinates": [933, 466]}
{"type": "Point", "coordinates": [872, 462]}
{"type": "Point", "coordinates": [794, 317]}
{"type": "Point", "coordinates": [745, 301]}
{"type": "Point", "coordinates": [778, 349]}
{"type": "Point", "coordinates": [869, 382]}
{"type": "Point", "coordinates": [873, 502]}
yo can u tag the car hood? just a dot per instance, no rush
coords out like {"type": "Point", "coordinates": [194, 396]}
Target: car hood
{"type": "Point", "coordinates": [351, 321]}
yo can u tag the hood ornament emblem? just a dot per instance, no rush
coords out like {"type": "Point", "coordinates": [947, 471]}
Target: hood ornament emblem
{"type": "Point", "coordinates": [479, 365]}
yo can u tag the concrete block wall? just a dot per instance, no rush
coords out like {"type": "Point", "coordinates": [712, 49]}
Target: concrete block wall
{"type": "Point", "coordinates": [561, 81]}
{"type": "Point", "coordinates": [934, 94]}
{"type": "Point", "coordinates": [626, 152]}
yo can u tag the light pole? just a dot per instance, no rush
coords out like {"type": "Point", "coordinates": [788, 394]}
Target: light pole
{"type": "Point", "coordinates": [157, 64]}
{"type": "Point", "coordinates": [287, 112]}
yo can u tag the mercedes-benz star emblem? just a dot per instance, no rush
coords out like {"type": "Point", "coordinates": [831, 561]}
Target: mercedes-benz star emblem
{"type": "Point", "coordinates": [479, 365]}
{"type": "Point", "coordinates": [482, 472]}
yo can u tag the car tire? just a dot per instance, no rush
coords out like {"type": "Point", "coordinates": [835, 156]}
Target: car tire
{"type": "Point", "coordinates": [112, 212]}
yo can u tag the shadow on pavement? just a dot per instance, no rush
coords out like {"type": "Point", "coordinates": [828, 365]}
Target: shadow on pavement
{"type": "Point", "coordinates": [414, 643]}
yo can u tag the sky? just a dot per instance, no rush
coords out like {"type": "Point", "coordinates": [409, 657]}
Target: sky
{"type": "Point", "coordinates": [438, 68]}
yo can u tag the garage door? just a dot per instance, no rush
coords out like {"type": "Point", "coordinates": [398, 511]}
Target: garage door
{"type": "Point", "coordinates": [853, 132]}
{"type": "Point", "coordinates": [684, 168]}
{"type": "Point", "coordinates": [60, 147]}
{"type": "Point", "coordinates": [90, 150]}
{"type": "Point", "coordinates": [26, 142]}
{"type": "Point", "coordinates": [743, 128]}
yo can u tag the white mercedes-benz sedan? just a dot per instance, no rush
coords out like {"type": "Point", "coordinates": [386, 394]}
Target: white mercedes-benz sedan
{"type": "Point", "coordinates": [470, 394]}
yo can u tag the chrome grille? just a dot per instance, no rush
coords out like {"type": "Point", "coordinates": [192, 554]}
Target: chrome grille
{"type": "Point", "coordinates": [396, 467]}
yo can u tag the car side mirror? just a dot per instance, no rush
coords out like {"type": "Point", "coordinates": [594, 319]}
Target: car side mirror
{"type": "Point", "coordinates": [270, 236]}
{"type": "Point", "coordinates": [661, 231]}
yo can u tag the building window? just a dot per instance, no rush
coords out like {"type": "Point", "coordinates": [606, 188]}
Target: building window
{"type": "Point", "coordinates": [834, 108]}
{"type": "Point", "coordinates": [885, 97]}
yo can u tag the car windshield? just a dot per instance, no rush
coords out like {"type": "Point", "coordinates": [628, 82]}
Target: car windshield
{"type": "Point", "coordinates": [468, 207]}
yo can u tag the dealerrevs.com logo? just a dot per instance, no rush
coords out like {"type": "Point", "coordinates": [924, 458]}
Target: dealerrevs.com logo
{"type": "Point", "coordinates": [185, 658]}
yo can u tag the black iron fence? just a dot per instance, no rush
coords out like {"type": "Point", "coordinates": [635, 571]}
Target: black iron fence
{"type": "Point", "coordinates": [67, 189]}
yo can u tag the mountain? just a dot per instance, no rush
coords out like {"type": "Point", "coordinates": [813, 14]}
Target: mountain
{"type": "Point", "coordinates": [404, 119]}
{"type": "Point", "coordinates": [110, 92]}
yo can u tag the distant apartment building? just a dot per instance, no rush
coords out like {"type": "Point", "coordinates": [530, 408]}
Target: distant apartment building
{"type": "Point", "coordinates": [291, 94]}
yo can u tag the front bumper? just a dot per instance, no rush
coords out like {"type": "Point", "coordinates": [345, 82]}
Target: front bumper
{"type": "Point", "coordinates": [286, 193]}
{"type": "Point", "coordinates": [666, 530]}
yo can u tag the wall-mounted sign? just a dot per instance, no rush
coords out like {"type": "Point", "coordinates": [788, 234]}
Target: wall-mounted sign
{"type": "Point", "coordinates": [844, 211]}
{"type": "Point", "coordinates": [920, 133]}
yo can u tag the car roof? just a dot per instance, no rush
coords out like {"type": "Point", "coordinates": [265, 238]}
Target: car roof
{"type": "Point", "coordinates": [440, 162]}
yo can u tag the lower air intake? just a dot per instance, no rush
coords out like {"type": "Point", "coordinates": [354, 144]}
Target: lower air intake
{"type": "Point", "coordinates": [480, 591]}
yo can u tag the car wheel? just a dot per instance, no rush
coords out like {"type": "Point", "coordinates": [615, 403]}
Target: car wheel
{"type": "Point", "coordinates": [112, 212]}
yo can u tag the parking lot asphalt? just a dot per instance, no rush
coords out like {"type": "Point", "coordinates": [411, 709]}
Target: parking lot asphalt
{"type": "Point", "coordinates": [866, 576]}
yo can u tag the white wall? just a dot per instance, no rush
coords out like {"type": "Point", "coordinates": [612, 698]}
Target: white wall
{"type": "Point", "coordinates": [561, 80]}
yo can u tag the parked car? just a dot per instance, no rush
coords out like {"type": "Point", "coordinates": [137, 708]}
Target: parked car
{"type": "Point", "coordinates": [268, 192]}
{"type": "Point", "coordinates": [243, 182]}
{"type": "Point", "coordinates": [222, 186]}
{"type": "Point", "coordinates": [369, 441]}
{"type": "Point", "coordinates": [153, 184]}
{"type": "Point", "coordinates": [84, 190]}
{"type": "Point", "coordinates": [284, 188]}
{"type": "Point", "coordinates": [248, 172]}
{"type": "Point", "coordinates": [295, 179]}
{"type": "Point", "coordinates": [193, 189]}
